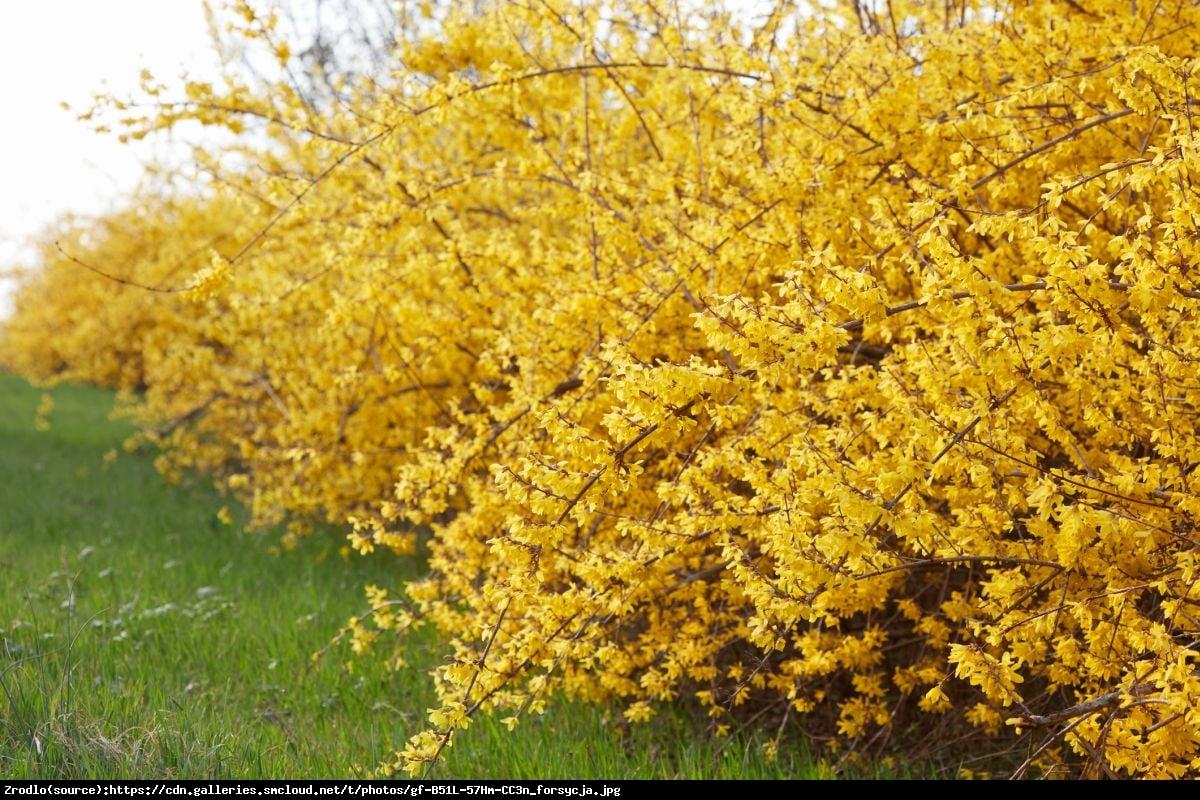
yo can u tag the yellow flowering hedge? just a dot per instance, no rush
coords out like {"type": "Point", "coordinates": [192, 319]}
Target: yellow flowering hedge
{"type": "Point", "coordinates": [834, 360]}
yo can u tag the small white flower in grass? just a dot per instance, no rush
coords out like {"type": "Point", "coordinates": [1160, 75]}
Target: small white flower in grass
{"type": "Point", "coordinates": [206, 591]}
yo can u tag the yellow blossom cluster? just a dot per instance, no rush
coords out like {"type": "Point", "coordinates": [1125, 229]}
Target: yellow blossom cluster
{"type": "Point", "coordinates": [841, 359]}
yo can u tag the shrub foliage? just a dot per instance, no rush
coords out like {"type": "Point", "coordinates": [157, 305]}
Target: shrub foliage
{"type": "Point", "coordinates": [835, 361]}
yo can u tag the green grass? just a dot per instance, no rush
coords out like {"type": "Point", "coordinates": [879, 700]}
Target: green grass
{"type": "Point", "coordinates": [140, 637]}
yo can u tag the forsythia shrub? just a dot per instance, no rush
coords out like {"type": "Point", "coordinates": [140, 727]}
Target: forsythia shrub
{"type": "Point", "coordinates": [841, 359]}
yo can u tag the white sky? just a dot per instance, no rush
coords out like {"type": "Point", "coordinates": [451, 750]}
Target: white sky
{"type": "Point", "coordinates": [68, 50]}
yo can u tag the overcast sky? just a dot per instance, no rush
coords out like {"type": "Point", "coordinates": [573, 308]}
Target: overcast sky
{"type": "Point", "coordinates": [53, 51]}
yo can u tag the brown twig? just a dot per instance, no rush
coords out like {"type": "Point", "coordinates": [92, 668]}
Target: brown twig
{"type": "Point", "coordinates": [930, 563]}
{"type": "Point", "coordinates": [1080, 709]}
